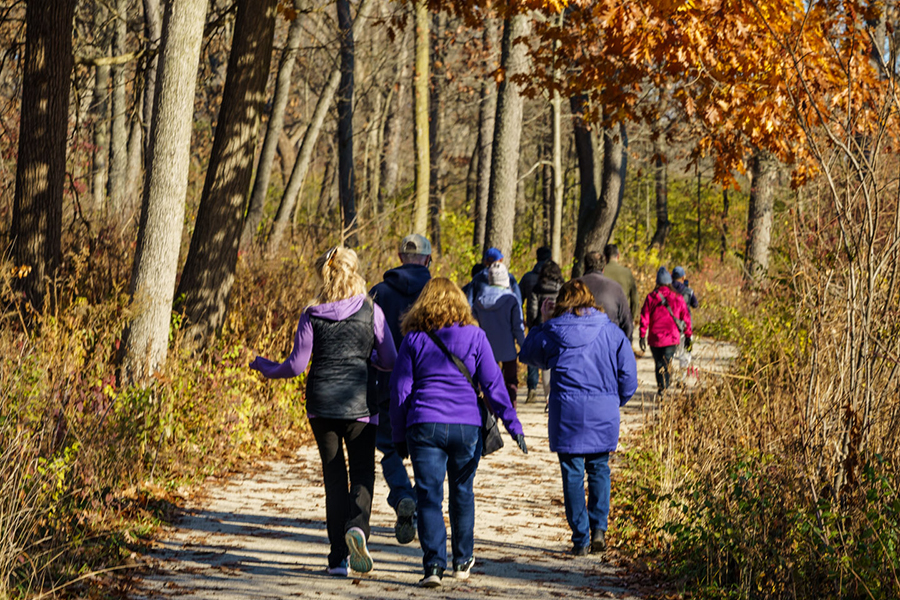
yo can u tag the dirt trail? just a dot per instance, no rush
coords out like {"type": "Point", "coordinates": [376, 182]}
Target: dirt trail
{"type": "Point", "coordinates": [262, 534]}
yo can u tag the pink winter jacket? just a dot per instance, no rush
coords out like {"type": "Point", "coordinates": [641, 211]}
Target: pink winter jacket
{"type": "Point", "coordinates": [663, 331]}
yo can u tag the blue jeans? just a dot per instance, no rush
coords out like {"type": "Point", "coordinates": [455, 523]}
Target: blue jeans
{"type": "Point", "coordinates": [436, 449]}
{"type": "Point", "coordinates": [533, 378]}
{"type": "Point", "coordinates": [392, 466]}
{"type": "Point", "coordinates": [583, 519]}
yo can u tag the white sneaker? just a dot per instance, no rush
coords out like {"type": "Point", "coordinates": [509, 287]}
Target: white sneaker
{"type": "Point", "coordinates": [360, 559]}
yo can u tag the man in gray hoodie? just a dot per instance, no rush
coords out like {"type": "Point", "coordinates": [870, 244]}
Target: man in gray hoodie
{"type": "Point", "coordinates": [607, 293]}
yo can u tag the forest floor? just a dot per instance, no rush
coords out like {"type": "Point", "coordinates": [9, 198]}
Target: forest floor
{"type": "Point", "coordinates": [261, 533]}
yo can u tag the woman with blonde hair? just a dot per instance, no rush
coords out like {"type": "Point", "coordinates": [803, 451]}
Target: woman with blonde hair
{"type": "Point", "coordinates": [592, 374]}
{"type": "Point", "coordinates": [437, 420]}
{"type": "Point", "coordinates": [339, 335]}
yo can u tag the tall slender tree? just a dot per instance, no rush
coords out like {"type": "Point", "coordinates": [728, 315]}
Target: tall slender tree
{"type": "Point", "coordinates": [435, 127]}
{"type": "Point", "coordinates": [118, 156]}
{"type": "Point", "coordinates": [423, 167]}
{"type": "Point", "coordinates": [100, 109]}
{"type": "Point", "coordinates": [487, 113]}
{"type": "Point", "coordinates": [346, 170]}
{"type": "Point", "coordinates": [393, 127]}
{"type": "Point", "coordinates": [587, 205]}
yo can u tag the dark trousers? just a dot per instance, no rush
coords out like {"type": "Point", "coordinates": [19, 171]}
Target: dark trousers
{"type": "Point", "coordinates": [510, 370]}
{"type": "Point", "coordinates": [533, 378]}
{"type": "Point", "coordinates": [662, 359]}
{"type": "Point", "coordinates": [346, 504]}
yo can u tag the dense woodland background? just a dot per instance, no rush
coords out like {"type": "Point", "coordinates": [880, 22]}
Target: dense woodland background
{"type": "Point", "coordinates": [169, 170]}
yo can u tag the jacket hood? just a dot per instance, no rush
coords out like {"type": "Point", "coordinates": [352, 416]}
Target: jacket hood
{"type": "Point", "coordinates": [572, 331]}
{"type": "Point", "coordinates": [337, 311]}
{"type": "Point", "coordinates": [491, 297]}
{"type": "Point", "coordinates": [408, 280]}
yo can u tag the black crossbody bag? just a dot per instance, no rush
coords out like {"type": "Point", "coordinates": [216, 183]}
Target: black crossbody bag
{"type": "Point", "coordinates": [490, 426]}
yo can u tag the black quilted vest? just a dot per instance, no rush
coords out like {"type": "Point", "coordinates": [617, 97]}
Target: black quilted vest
{"type": "Point", "coordinates": [338, 373]}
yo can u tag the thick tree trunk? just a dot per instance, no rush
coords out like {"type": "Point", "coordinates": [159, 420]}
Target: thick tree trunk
{"type": "Point", "coordinates": [584, 148]}
{"type": "Point", "coordinates": [41, 165]}
{"type": "Point", "coordinates": [162, 212]}
{"type": "Point", "coordinates": [435, 130]}
{"type": "Point", "coordinates": [764, 174]}
{"type": "Point", "coordinates": [472, 174]}
{"type": "Point", "coordinates": [346, 171]}
{"type": "Point", "coordinates": [487, 113]}
{"type": "Point", "coordinates": [118, 156]}
{"type": "Point", "coordinates": [273, 130]}
{"type": "Point", "coordinates": [301, 166]}
{"type": "Point", "coordinates": [100, 112]}
{"type": "Point", "coordinates": [661, 177]}
{"type": "Point", "coordinates": [423, 168]}
{"type": "Point", "coordinates": [208, 274]}
{"type": "Point", "coordinates": [612, 188]}
{"type": "Point", "coordinates": [393, 127]}
{"type": "Point", "coordinates": [507, 135]}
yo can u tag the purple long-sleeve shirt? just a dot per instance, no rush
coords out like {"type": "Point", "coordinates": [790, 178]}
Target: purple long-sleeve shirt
{"type": "Point", "coordinates": [426, 387]}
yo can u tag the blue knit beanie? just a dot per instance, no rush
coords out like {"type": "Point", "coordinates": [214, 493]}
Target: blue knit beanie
{"type": "Point", "coordinates": [663, 277]}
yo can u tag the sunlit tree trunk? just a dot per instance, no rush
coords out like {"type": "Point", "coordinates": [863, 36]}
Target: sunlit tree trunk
{"type": "Point", "coordinates": [487, 113]}
{"type": "Point", "coordinates": [423, 168]}
{"type": "Point", "coordinates": [118, 157]}
{"type": "Point", "coordinates": [436, 133]}
{"type": "Point", "coordinates": [763, 176]}
{"type": "Point", "coordinates": [100, 111]}
{"type": "Point", "coordinates": [393, 127]}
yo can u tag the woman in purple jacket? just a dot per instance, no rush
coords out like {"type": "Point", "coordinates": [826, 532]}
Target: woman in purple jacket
{"type": "Point", "coordinates": [437, 422]}
{"type": "Point", "coordinates": [343, 332]}
{"type": "Point", "coordinates": [593, 373]}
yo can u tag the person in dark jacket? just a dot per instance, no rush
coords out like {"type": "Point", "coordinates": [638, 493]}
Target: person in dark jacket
{"type": "Point", "coordinates": [499, 313]}
{"type": "Point", "coordinates": [526, 284]}
{"type": "Point", "coordinates": [623, 276]}
{"type": "Point", "coordinates": [660, 316]}
{"type": "Point", "coordinates": [475, 270]}
{"type": "Point", "coordinates": [437, 419]}
{"type": "Point", "coordinates": [480, 280]}
{"type": "Point", "coordinates": [342, 332]}
{"type": "Point", "coordinates": [680, 285]}
{"type": "Point", "coordinates": [547, 287]}
{"type": "Point", "coordinates": [395, 294]}
{"type": "Point", "coordinates": [607, 293]}
{"type": "Point", "coordinates": [593, 375]}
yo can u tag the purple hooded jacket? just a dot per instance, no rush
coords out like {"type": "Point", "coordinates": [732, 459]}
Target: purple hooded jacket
{"type": "Point", "coordinates": [426, 387]}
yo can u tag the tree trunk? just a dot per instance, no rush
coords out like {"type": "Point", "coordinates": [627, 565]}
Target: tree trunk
{"type": "Point", "coordinates": [612, 188]}
{"type": "Point", "coordinates": [584, 148]}
{"type": "Point", "coordinates": [435, 130]}
{"type": "Point", "coordinates": [661, 176]}
{"type": "Point", "coordinates": [118, 156]}
{"type": "Point", "coordinates": [287, 153]}
{"type": "Point", "coordinates": [472, 174]}
{"type": "Point", "coordinates": [211, 261]}
{"type": "Point", "coordinates": [326, 198]}
{"type": "Point", "coordinates": [100, 112]}
{"type": "Point", "coordinates": [487, 113]}
{"type": "Point", "coordinates": [724, 250]}
{"type": "Point", "coordinates": [41, 165]}
{"type": "Point", "coordinates": [153, 31]}
{"type": "Point", "coordinates": [301, 166]}
{"type": "Point", "coordinates": [273, 130]}
{"type": "Point", "coordinates": [423, 168]}
{"type": "Point", "coordinates": [507, 135]}
{"type": "Point", "coordinates": [393, 127]}
{"type": "Point", "coordinates": [346, 171]}
{"type": "Point", "coordinates": [162, 212]}
{"type": "Point", "coordinates": [764, 173]}
{"type": "Point", "coordinates": [556, 207]}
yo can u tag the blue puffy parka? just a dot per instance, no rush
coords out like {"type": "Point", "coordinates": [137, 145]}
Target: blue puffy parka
{"type": "Point", "coordinates": [593, 373]}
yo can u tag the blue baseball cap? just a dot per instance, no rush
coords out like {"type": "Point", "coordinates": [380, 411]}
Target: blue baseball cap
{"type": "Point", "coordinates": [492, 255]}
{"type": "Point", "coordinates": [678, 273]}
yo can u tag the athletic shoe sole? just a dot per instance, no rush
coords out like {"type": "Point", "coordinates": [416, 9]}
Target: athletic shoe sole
{"type": "Point", "coordinates": [360, 559]}
{"type": "Point", "coordinates": [405, 528]}
{"type": "Point", "coordinates": [432, 581]}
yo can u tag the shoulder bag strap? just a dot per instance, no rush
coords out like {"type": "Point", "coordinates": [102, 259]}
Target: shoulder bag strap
{"type": "Point", "coordinates": [459, 365]}
{"type": "Point", "coordinates": [678, 322]}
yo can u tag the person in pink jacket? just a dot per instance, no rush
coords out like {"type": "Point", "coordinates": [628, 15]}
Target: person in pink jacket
{"type": "Point", "coordinates": [664, 319]}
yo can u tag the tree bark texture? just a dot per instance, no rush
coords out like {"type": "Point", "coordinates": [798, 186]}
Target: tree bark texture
{"type": "Point", "coordinates": [661, 179]}
{"type": "Point", "coordinates": [100, 111]}
{"type": "Point", "coordinates": [423, 167]}
{"type": "Point", "coordinates": [507, 136]}
{"type": "Point", "coordinates": [584, 149]}
{"type": "Point", "coordinates": [307, 146]}
{"type": "Point", "coordinates": [724, 250]}
{"type": "Point", "coordinates": [393, 127]}
{"type": "Point", "coordinates": [118, 156]}
{"type": "Point", "coordinates": [162, 212]}
{"type": "Point", "coordinates": [612, 187]}
{"type": "Point", "coordinates": [764, 174]}
{"type": "Point", "coordinates": [208, 274]}
{"type": "Point", "coordinates": [273, 130]}
{"type": "Point", "coordinates": [487, 113]}
{"type": "Point", "coordinates": [346, 170]}
{"type": "Point", "coordinates": [41, 165]}
{"type": "Point", "coordinates": [435, 128]}
{"type": "Point", "coordinates": [556, 208]}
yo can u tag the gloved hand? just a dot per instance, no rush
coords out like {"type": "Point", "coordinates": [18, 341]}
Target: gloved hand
{"type": "Point", "coordinates": [402, 449]}
{"type": "Point", "coordinates": [643, 344]}
{"type": "Point", "coordinates": [688, 344]}
{"type": "Point", "coordinates": [520, 440]}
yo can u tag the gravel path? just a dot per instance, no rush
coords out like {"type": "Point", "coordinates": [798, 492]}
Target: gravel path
{"type": "Point", "coordinates": [262, 534]}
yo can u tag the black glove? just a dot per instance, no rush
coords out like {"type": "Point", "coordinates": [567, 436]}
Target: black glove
{"type": "Point", "coordinates": [643, 344]}
{"type": "Point", "coordinates": [402, 449]}
{"type": "Point", "coordinates": [688, 344]}
{"type": "Point", "coordinates": [520, 440]}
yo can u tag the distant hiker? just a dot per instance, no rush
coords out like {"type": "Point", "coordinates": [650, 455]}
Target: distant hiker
{"type": "Point", "coordinates": [342, 331]}
{"type": "Point", "coordinates": [499, 313]}
{"type": "Point", "coordinates": [526, 285]}
{"type": "Point", "coordinates": [607, 293]}
{"type": "Point", "coordinates": [664, 318]}
{"type": "Point", "coordinates": [623, 276]}
{"type": "Point", "coordinates": [437, 419]}
{"type": "Point", "coordinates": [544, 292]}
{"type": "Point", "coordinates": [480, 280]}
{"type": "Point", "coordinates": [593, 374]}
{"type": "Point", "coordinates": [476, 269]}
{"type": "Point", "coordinates": [398, 291]}
{"type": "Point", "coordinates": [681, 287]}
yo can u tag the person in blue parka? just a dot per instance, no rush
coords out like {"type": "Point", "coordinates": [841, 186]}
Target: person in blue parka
{"type": "Point", "coordinates": [592, 374]}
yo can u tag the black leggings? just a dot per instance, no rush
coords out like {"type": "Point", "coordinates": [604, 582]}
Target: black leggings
{"type": "Point", "coordinates": [662, 358]}
{"type": "Point", "coordinates": [346, 505]}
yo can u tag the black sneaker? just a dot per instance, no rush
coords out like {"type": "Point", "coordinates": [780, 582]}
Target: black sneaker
{"type": "Point", "coordinates": [433, 576]}
{"type": "Point", "coordinates": [581, 550]}
{"type": "Point", "coordinates": [462, 570]}
{"type": "Point", "coordinates": [405, 527]}
{"type": "Point", "coordinates": [598, 540]}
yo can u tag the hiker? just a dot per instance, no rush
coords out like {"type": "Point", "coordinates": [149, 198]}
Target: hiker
{"type": "Point", "coordinates": [526, 285]}
{"type": "Point", "coordinates": [340, 330]}
{"type": "Point", "coordinates": [437, 419]}
{"type": "Point", "coordinates": [681, 287]}
{"type": "Point", "coordinates": [664, 318]}
{"type": "Point", "coordinates": [395, 294]}
{"type": "Point", "coordinates": [499, 313]}
{"type": "Point", "coordinates": [593, 374]}
{"type": "Point", "coordinates": [479, 280]}
{"type": "Point", "coordinates": [622, 275]}
{"type": "Point", "coordinates": [607, 293]}
{"type": "Point", "coordinates": [475, 270]}
{"type": "Point", "coordinates": [547, 288]}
